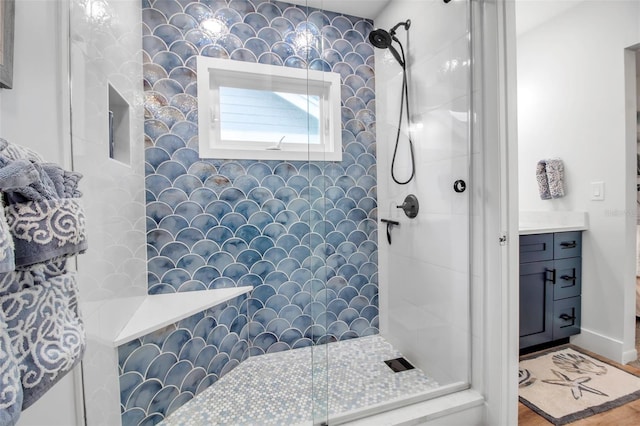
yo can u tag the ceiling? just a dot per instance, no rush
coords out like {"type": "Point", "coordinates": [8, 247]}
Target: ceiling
{"type": "Point", "coordinates": [361, 8]}
{"type": "Point", "coordinates": [529, 13]}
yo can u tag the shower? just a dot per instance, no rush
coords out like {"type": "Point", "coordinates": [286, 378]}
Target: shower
{"type": "Point", "coordinates": [383, 39]}
{"type": "Point", "coordinates": [300, 300]}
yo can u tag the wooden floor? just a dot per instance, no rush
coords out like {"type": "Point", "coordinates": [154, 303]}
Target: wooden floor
{"type": "Point", "coordinates": [626, 415]}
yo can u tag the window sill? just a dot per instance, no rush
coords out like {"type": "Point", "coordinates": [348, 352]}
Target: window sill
{"type": "Point", "coordinates": [275, 154]}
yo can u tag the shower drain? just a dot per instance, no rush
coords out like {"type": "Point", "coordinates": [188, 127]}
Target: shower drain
{"type": "Point", "coordinates": [399, 364]}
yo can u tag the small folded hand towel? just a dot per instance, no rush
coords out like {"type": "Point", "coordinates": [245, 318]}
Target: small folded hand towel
{"type": "Point", "coordinates": [550, 178]}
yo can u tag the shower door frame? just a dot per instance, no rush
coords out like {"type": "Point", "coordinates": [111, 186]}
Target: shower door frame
{"type": "Point", "coordinates": [493, 383]}
{"type": "Point", "coordinates": [500, 352]}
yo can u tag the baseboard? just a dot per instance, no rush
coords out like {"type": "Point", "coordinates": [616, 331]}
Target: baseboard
{"type": "Point", "coordinates": [629, 356]}
{"type": "Point", "coordinates": [603, 345]}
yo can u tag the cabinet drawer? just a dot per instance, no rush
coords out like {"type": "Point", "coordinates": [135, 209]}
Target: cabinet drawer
{"type": "Point", "coordinates": [566, 317]}
{"type": "Point", "coordinates": [567, 244]}
{"type": "Point", "coordinates": [568, 275]}
{"type": "Point", "coordinates": [536, 247]}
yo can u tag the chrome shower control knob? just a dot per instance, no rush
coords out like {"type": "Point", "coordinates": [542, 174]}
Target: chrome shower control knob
{"type": "Point", "coordinates": [459, 186]}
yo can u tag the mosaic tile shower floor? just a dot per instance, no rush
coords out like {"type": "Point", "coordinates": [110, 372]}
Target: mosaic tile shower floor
{"type": "Point", "coordinates": [275, 389]}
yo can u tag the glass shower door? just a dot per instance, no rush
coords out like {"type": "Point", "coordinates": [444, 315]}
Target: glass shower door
{"type": "Point", "coordinates": [397, 291]}
{"type": "Point", "coordinates": [333, 297]}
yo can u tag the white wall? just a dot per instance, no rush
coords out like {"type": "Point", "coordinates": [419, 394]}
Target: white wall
{"type": "Point", "coordinates": [571, 105]}
{"type": "Point", "coordinates": [424, 285]}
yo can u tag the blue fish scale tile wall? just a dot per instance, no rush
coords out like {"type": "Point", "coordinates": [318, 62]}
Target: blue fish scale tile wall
{"type": "Point", "coordinates": [304, 234]}
{"type": "Point", "coordinates": [165, 369]}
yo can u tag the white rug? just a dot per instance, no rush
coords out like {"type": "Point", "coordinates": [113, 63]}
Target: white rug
{"type": "Point", "coordinates": [564, 385]}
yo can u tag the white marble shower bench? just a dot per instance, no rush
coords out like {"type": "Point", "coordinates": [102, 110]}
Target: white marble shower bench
{"type": "Point", "coordinates": [160, 310]}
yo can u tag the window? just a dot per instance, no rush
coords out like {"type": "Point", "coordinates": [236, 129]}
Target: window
{"type": "Point", "coordinates": [267, 112]}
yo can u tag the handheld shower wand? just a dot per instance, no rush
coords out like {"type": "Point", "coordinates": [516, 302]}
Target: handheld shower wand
{"type": "Point", "coordinates": [384, 40]}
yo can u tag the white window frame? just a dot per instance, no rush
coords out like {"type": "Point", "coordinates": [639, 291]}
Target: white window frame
{"type": "Point", "coordinates": [214, 73]}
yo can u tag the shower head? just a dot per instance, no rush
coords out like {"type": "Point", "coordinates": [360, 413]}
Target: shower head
{"type": "Point", "coordinates": [380, 38]}
{"type": "Point", "coordinates": [383, 39]}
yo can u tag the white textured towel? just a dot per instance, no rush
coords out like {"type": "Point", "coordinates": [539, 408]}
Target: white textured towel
{"type": "Point", "coordinates": [543, 182]}
{"type": "Point", "coordinates": [550, 178]}
{"type": "Point", "coordinates": [555, 174]}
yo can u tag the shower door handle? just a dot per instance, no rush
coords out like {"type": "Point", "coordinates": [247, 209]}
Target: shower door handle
{"type": "Point", "coordinates": [459, 186]}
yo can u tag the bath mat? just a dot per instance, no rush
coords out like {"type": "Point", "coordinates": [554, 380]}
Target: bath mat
{"type": "Point", "coordinates": [564, 385]}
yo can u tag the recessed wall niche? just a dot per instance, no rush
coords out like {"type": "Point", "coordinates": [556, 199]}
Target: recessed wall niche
{"type": "Point", "coordinates": [119, 136]}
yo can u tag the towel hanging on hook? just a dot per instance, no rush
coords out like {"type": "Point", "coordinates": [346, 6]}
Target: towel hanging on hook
{"type": "Point", "coordinates": [550, 178]}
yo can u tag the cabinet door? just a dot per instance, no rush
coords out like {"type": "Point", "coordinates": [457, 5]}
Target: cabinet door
{"type": "Point", "coordinates": [536, 303]}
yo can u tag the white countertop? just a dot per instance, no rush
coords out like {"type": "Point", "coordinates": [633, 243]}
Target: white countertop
{"type": "Point", "coordinates": [160, 310]}
{"type": "Point", "coordinates": [545, 222]}
{"type": "Point", "coordinates": [549, 229]}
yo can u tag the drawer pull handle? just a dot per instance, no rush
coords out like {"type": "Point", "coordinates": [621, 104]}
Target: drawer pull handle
{"type": "Point", "coordinates": [567, 317]}
{"type": "Point", "coordinates": [553, 275]}
{"type": "Point", "coordinates": [568, 278]}
{"type": "Point", "coordinates": [568, 244]}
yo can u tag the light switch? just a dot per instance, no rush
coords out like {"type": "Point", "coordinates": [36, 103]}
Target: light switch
{"type": "Point", "coordinates": [597, 191]}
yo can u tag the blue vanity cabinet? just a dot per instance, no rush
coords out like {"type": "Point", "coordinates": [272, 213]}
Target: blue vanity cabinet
{"type": "Point", "coordinates": [536, 303]}
{"type": "Point", "coordinates": [550, 286]}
